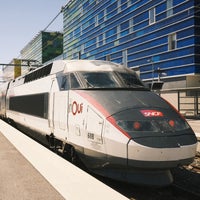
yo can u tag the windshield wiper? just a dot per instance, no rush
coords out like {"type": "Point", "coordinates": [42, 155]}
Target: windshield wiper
{"type": "Point", "coordinates": [89, 85]}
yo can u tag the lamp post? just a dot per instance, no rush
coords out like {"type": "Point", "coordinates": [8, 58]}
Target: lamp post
{"type": "Point", "coordinates": [152, 67]}
{"type": "Point", "coordinates": [161, 72]}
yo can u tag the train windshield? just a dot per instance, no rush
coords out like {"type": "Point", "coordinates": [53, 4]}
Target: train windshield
{"type": "Point", "coordinates": [130, 80]}
{"type": "Point", "coordinates": [111, 79]}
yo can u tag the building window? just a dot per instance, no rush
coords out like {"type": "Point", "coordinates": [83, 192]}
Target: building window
{"type": "Point", "coordinates": [104, 38]}
{"type": "Point", "coordinates": [124, 58]}
{"type": "Point", "coordinates": [108, 57]}
{"type": "Point", "coordinates": [172, 41]}
{"type": "Point", "coordinates": [116, 43]}
{"type": "Point", "coordinates": [82, 48]}
{"type": "Point", "coordinates": [97, 41]}
{"type": "Point", "coordinates": [129, 3]}
{"type": "Point", "coordinates": [81, 30]}
{"type": "Point", "coordinates": [81, 11]}
{"type": "Point", "coordinates": [118, 31]}
{"type": "Point", "coordinates": [119, 6]}
{"type": "Point", "coordinates": [96, 20]}
{"type": "Point", "coordinates": [152, 16]}
{"type": "Point", "coordinates": [105, 15]}
{"type": "Point", "coordinates": [169, 8]}
{"type": "Point", "coordinates": [131, 25]}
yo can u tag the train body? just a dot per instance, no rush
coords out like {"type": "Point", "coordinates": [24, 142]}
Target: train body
{"type": "Point", "coordinates": [101, 112]}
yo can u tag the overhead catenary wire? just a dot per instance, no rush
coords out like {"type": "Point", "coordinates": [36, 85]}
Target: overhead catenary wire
{"type": "Point", "coordinates": [51, 22]}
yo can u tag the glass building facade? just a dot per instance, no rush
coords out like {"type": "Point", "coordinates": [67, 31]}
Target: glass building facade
{"type": "Point", "coordinates": [44, 47]}
{"type": "Point", "coordinates": [150, 35]}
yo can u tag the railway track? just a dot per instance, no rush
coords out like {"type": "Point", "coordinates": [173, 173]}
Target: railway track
{"type": "Point", "coordinates": [134, 192]}
{"type": "Point", "coordinates": [182, 189]}
{"type": "Point", "coordinates": [186, 185]}
{"type": "Point", "coordinates": [195, 166]}
{"type": "Point", "coordinates": [187, 178]}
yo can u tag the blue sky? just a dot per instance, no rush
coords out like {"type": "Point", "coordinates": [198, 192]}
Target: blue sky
{"type": "Point", "coordinates": [22, 20]}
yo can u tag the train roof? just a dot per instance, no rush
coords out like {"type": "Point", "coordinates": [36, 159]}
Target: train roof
{"type": "Point", "coordinates": [66, 66]}
{"type": "Point", "coordinates": [85, 65]}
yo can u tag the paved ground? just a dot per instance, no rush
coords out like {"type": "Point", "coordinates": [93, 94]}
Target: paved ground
{"type": "Point", "coordinates": [195, 124]}
{"type": "Point", "coordinates": [19, 180]}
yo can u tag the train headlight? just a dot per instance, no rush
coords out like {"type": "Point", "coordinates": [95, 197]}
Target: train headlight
{"type": "Point", "coordinates": [137, 126]}
{"type": "Point", "coordinates": [171, 123]}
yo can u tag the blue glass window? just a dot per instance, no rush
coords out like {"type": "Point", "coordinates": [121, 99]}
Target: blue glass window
{"type": "Point", "coordinates": [111, 32]}
{"type": "Point", "coordinates": [112, 8]}
{"type": "Point", "coordinates": [124, 25]}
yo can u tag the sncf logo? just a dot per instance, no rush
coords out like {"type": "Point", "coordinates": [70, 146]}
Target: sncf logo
{"type": "Point", "coordinates": [151, 113]}
{"type": "Point", "coordinates": [77, 108]}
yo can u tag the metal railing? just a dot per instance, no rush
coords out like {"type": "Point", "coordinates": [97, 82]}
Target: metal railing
{"type": "Point", "coordinates": [186, 100]}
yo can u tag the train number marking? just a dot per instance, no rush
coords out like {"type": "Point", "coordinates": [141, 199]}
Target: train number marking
{"type": "Point", "coordinates": [91, 136]}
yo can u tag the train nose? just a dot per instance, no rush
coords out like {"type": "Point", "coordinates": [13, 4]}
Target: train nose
{"type": "Point", "coordinates": [141, 156]}
{"type": "Point", "coordinates": [146, 166]}
{"type": "Point", "coordinates": [159, 138]}
{"type": "Point", "coordinates": [156, 128]}
{"type": "Point", "coordinates": [144, 157]}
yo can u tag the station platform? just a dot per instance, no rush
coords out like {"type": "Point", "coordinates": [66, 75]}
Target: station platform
{"type": "Point", "coordinates": [195, 124]}
{"type": "Point", "coordinates": [30, 171]}
{"type": "Point", "coordinates": [19, 179]}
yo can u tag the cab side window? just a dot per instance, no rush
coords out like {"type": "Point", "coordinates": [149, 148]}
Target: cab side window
{"type": "Point", "coordinates": [65, 83]}
{"type": "Point", "coordinates": [74, 82]}
{"type": "Point", "coordinates": [69, 81]}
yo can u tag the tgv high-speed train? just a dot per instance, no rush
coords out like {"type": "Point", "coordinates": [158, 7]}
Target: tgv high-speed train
{"type": "Point", "coordinates": [102, 113]}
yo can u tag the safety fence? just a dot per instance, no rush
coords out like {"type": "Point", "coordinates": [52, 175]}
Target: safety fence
{"type": "Point", "coordinates": [186, 100]}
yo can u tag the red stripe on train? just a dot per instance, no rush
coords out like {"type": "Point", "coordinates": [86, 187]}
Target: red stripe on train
{"type": "Point", "coordinates": [99, 107]}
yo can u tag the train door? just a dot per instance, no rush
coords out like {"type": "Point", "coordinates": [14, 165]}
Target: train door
{"type": "Point", "coordinates": [58, 111]}
{"type": "Point", "coordinates": [94, 127]}
{"type": "Point", "coordinates": [60, 114]}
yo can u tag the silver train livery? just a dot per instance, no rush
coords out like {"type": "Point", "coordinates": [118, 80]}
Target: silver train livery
{"type": "Point", "coordinates": [102, 113]}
